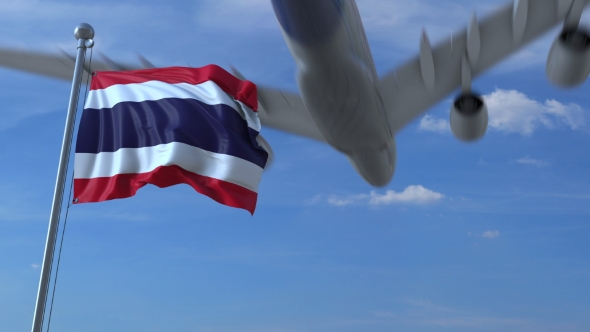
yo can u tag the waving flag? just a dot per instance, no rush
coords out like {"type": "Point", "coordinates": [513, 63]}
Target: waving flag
{"type": "Point", "coordinates": [169, 126]}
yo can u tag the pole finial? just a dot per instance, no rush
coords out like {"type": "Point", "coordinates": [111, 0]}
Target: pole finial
{"type": "Point", "coordinates": [84, 31]}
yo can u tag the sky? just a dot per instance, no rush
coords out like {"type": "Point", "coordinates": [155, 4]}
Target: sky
{"type": "Point", "coordinates": [488, 236]}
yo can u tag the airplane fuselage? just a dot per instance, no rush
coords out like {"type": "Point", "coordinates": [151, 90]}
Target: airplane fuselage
{"type": "Point", "coordinates": [337, 81]}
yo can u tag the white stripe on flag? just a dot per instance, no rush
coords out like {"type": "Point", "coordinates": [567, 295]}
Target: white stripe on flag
{"type": "Point", "coordinates": [206, 92]}
{"type": "Point", "coordinates": [143, 160]}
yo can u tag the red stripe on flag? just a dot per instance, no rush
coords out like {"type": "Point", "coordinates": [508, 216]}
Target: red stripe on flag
{"type": "Point", "coordinates": [126, 185]}
{"type": "Point", "coordinates": [244, 91]}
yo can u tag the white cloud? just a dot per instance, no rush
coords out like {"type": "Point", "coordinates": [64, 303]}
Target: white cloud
{"type": "Point", "coordinates": [430, 123]}
{"type": "Point", "coordinates": [414, 194]}
{"type": "Point", "coordinates": [340, 201]}
{"type": "Point", "coordinates": [490, 234]}
{"type": "Point", "coordinates": [512, 111]}
{"type": "Point", "coordinates": [348, 200]}
{"type": "Point", "coordinates": [531, 161]}
{"type": "Point", "coordinates": [35, 266]}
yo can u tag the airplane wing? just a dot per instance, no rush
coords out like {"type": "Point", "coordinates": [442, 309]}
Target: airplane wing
{"type": "Point", "coordinates": [407, 91]}
{"type": "Point", "coordinates": [56, 65]}
{"type": "Point", "coordinates": [413, 88]}
{"type": "Point", "coordinates": [279, 109]}
{"type": "Point", "coordinates": [285, 111]}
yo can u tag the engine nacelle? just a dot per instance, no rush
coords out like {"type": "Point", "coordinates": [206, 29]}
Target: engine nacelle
{"type": "Point", "coordinates": [568, 63]}
{"type": "Point", "coordinates": [469, 117]}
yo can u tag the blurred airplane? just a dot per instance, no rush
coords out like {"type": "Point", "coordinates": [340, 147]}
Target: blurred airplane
{"type": "Point", "coordinates": [342, 100]}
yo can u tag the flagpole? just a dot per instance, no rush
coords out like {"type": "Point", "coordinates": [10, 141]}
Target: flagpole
{"type": "Point", "coordinates": [84, 34]}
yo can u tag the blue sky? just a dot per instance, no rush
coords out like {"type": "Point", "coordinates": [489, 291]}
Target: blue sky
{"type": "Point", "coordinates": [490, 236]}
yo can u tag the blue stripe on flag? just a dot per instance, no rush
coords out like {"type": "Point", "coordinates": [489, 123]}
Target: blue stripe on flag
{"type": "Point", "coordinates": [215, 128]}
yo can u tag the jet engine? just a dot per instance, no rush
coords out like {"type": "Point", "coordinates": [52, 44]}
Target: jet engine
{"type": "Point", "coordinates": [469, 117]}
{"type": "Point", "coordinates": [568, 63]}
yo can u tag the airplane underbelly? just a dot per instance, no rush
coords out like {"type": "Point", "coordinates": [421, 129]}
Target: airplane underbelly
{"type": "Point", "coordinates": [344, 106]}
{"type": "Point", "coordinates": [336, 86]}
{"type": "Point", "coordinates": [343, 103]}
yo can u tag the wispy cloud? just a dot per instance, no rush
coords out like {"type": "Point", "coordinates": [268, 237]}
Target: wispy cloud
{"type": "Point", "coordinates": [437, 125]}
{"type": "Point", "coordinates": [511, 111]}
{"type": "Point", "coordinates": [345, 201]}
{"type": "Point", "coordinates": [414, 194]}
{"type": "Point", "coordinates": [421, 312]}
{"type": "Point", "coordinates": [491, 234]}
{"type": "Point", "coordinates": [429, 306]}
{"type": "Point", "coordinates": [534, 162]}
{"type": "Point", "coordinates": [35, 266]}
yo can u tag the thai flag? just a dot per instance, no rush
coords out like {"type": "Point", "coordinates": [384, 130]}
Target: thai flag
{"type": "Point", "coordinates": [169, 126]}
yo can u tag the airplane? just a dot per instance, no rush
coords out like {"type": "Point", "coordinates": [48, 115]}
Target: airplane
{"type": "Point", "coordinates": [343, 101]}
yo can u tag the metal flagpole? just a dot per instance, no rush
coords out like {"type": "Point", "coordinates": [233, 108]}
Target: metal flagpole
{"type": "Point", "coordinates": [84, 34]}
